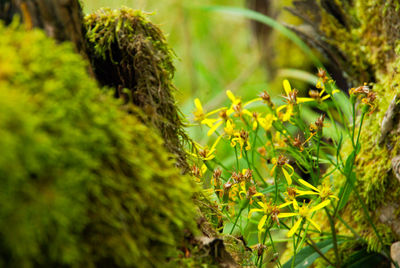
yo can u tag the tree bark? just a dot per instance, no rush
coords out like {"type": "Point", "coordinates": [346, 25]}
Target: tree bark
{"type": "Point", "coordinates": [60, 19]}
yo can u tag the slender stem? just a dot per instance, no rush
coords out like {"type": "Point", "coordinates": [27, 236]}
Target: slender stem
{"type": "Point", "coordinates": [318, 146]}
{"type": "Point", "coordinates": [254, 144]}
{"type": "Point", "coordinates": [236, 220]}
{"type": "Point", "coordinates": [354, 124]}
{"type": "Point", "coordinates": [237, 160]}
{"type": "Point", "coordinates": [333, 230]}
{"type": "Point", "coordinates": [273, 247]}
{"type": "Point", "coordinates": [261, 258]}
{"type": "Point", "coordinates": [315, 247]}
{"type": "Point", "coordinates": [359, 130]}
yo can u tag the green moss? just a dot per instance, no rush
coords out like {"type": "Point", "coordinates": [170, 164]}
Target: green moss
{"type": "Point", "coordinates": [82, 183]}
{"type": "Point", "coordinates": [129, 52]}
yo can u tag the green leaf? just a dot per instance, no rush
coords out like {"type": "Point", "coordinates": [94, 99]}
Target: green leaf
{"type": "Point", "coordinates": [347, 189]}
{"type": "Point", "coordinates": [365, 259]}
{"type": "Point", "coordinates": [349, 163]}
{"type": "Point", "coordinates": [306, 256]}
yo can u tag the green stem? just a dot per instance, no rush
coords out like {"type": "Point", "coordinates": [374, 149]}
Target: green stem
{"type": "Point", "coordinates": [273, 247]}
{"type": "Point", "coordinates": [237, 160]}
{"type": "Point", "coordinates": [318, 171]}
{"type": "Point", "coordinates": [333, 230]}
{"type": "Point", "coordinates": [236, 220]}
{"type": "Point", "coordinates": [259, 264]}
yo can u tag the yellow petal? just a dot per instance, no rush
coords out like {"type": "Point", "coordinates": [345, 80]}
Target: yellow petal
{"type": "Point", "coordinates": [300, 193]}
{"type": "Point", "coordinates": [294, 228]}
{"type": "Point", "coordinates": [255, 124]}
{"type": "Point", "coordinates": [209, 157]}
{"type": "Point", "coordinates": [319, 206]}
{"type": "Point", "coordinates": [308, 185]}
{"type": "Point", "coordinates": [209, 121]}
{"type": "Point", "coordinates": [215, 111]}
{"type": "Point", "coordinates": [288, 113]}
{"type": "Point", "coordinates": [230, 95]}
{"type": "Point", "coordinates": [285, 204]}
{"type": "Point", "coordinates": [314, 224]}
{"type": "Point", "coordinates": [198, 105]}
{"type": "Point", "coordinates": [287, 176]}
{"type": "Point", "coordinates": [286, 215]}
{"type": "Point", "coordinates": [262, 222]}
{"type": "Point", "coordinates": [287, 87]}
{"type": "Point", "coordinates": [261, 204]}
{"type": "Point", "coordinates": [203, 168]}
{"type": "Point", "coordinates": [214, 128]}
{"type": "Point", "coordinates": [251, 101]}
{"type": "Point", "coordinates": [325, 97]}
{"type": "Point", "coordinates": [245, 111]}
{"type": "Point", "coordinates": [281, 107]}
{"type": "Point", "coordinates": [272, 170]}
{"type": "Point", "coordinates": [254, 210]}
{"type": "Point", "coordinates": [295, 204]}
{"type": "Point", "coordinates": [215, 145]}
{"type": "Point", "coordinates": [334, 197]}
{"type": "Point", "coordinates": [303, 100]}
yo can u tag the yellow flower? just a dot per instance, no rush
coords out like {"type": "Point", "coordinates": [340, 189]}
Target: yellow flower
{"type": "Point", "coordinates": [266, 122]}
{"type": "Point", "coordinates": [291, 99]}
{"type": "Point", "coordinates": [290, 198]}
{"type": "Point", "coordinates": [283, 162]}
{"type": "Point", "coordinates": [324, 193]}
{"type": "Point", "coordinates": [305, 212]}
{"type": "Point", "coordinates": [241, 137]}
{"type": "Point", "coordinates": [317, 96]}
{"type": "Point", "coordinates": [237, 107]}
{"type": "Point", "coordinates": [204, 153]}
{"type": "Point", "coordinates": [198, 172]}
{"type": "Point", "coordinates": [268, 210]}
{"type": "Point", "coordinates": [216, 123]}
{"type": "Point", "coordinates": [201, 116]}
{"type": "Point", "coordinates": [229, 129]}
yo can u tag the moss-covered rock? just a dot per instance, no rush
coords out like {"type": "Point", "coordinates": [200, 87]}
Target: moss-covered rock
{"type": "Point", "coordinates": [82, 183]}
{"type": "Point", "coordinates": [130, 54]}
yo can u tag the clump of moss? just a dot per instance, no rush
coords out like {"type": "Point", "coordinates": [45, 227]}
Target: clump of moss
{"type": "Point", "coordinates": [130, 54]}
{"type": "Point", "coordinates": [83, 183]}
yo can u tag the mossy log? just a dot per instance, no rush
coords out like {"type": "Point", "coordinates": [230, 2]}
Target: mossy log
{"type": "Point", "coordinates": [126, 51]}
{"type": "Point", "coordinates": [83, 183]}
{"type": "Point", "coordinates": [362, 39]}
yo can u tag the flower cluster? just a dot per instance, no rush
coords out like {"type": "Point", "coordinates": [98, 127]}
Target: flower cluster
{"type": "Point", "coordinates": [265, 161]}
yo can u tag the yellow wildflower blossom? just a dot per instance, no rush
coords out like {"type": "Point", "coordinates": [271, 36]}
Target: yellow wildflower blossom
{"type": "Point", "coordinates": [283, 163]}
{"type": "Point", "coordinates": [305, 212]}
{"type": "Point", "coordinates": [324, 192]}
{"type": "Point", "coordinates": [241, 137]}
{"type": "Point", "coordinates": [201, 116]}
{"type": "Point", "coordinates": [204, 153]}
{"type": "Point", "coordinates": [237, 107]}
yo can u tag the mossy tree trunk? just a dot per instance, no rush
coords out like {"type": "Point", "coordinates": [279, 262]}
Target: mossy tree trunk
{"type": "Point", "coordinates": [361, 38]}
